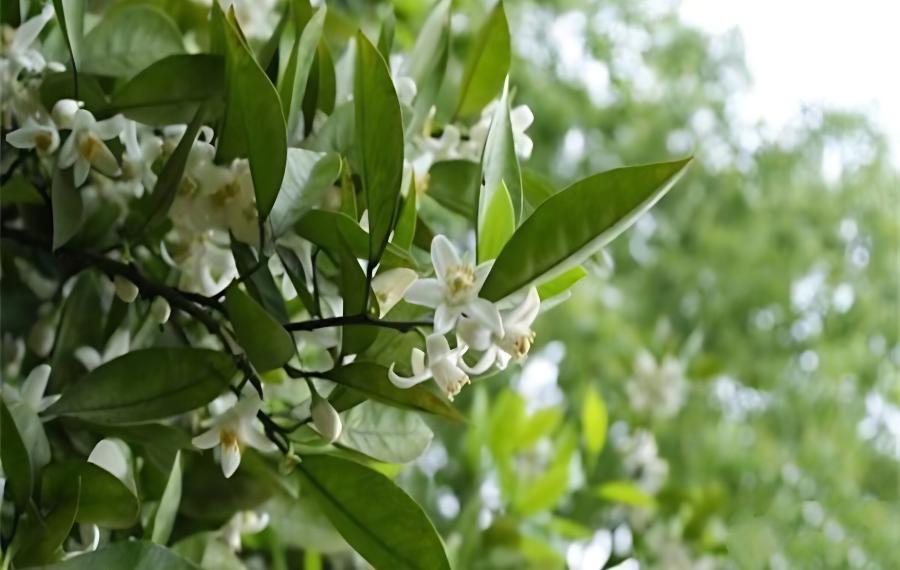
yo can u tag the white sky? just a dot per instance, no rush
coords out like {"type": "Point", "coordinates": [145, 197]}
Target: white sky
{"type": "Point", "coordinates": [842, 53]}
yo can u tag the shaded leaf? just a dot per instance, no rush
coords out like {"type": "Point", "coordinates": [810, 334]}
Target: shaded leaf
{"type": "Point", "coordinates": [68, 209]}
{"type": "Point", "coordinates": [128, 40]}
{"type": "Point", "coordinates": [164, 518]}
{"type": "Point", "coordinates": [307, 175]}
{"type": "Point", "coordinates": [267, 344]}
{"type": "Point", "coordinates": [104, 500]}
{"type": "Point", "coordinates": [385, 433]}
{"type": "Point", "coordinates": [133, 555]}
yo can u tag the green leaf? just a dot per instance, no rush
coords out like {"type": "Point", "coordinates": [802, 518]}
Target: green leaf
{"type": "Point", "coordinates": [561, 283]}
{"type": "Point", "coordinates": [297, 74]}
{"type": "Point", "coordinates": [146, 385]}
{"type": "Point", "coordinates": [379, 520]}
{"type": "Point", "coordinates": [499, 164]}
{"type": "Point", "coordinates": [70, 15]}
{"type": "Point", "coordinates": [258, 280]}
{"type": "Point", "coordinates": [171, 90]}
{"type": "Point", "coordinates": [487, 64]}
{"type": "Point", "coordinates": [386, 35]}
{"type": "Point", "coordinates": [497, 222]}
{"type": "Point", "coordinates": [624, 492]}
{"type": "Point", "coordinates": [379, 137]}
{"type": "Point", "coordinates": [385, 433]}
{"type": "Point", "coordinates": [535, 189]}
{"type": "Point", "coordinates": [356, 292]}
{"type": "Point", "coordinates": [267, 344]}
{"type": "Point", "coordinates": [164, 517]}
{"type": "Point", "coordinates": [253, 127]}
{"type": "Point", "coordinates": [128, 40]}
{"type": "Point", "coordinates": [454, 185]}
{"type": "Point", "coordinates": [372, 380]}
{"type": "Point", "coordinates": [79, 326]}
{"type": "Point", "coordinates": [68, 209]}
{"type": "Point", "coordinates": [16, 461]}
{"type": "Point", "coordinates": [61, 85]}
{"type": "Point", "coordinates": [104, 500]}
{"type": "Point", "coordinates": [18, 190]}
{"type": "Point", "coordinates": [576, 222]}
{"type": "Point", "coordinates": [307, 176]}
{"type": "Point", "coordinates": [133, 555]}
{"type": "Point", "coordinates": [327, 229]}
{"type": "Point", "coordinates": [209, 551]}
{"type": "Point", "coordinates": [594, 422]}
{"type": "Point", "coordinates": [427, 61]}
{"type": "Point", "coordinates": [406, 223]}
{"type": "Point", "coordinates": [41, 539]}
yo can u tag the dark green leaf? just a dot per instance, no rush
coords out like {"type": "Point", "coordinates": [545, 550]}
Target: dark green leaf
{"type": "Point", "coordinates": [406, 223]}
{"type": "Point", "coordinates": [41, 538]}
{"type": "Point", "coordinates": [294, 83]}
{"type": "Point", "coordinates": [487, 64]}
{"type": "Point", "coordinates": [79, 326]}
{"type": "Point", "coordinates": [267, 344]}
{"type": "Point", "coordinates": [18, 190]}
{"type": "Point", "coordinates": [171, 90]}
{"type": "Point", "coordinates": [68, 209]}
{"type": "Point", "coordinates": [164, 518]}
{"type": "Point", "coordinates": [307, 176]}
{"type": "Point", "coordinates": [128, 40]}
{"type": "Point", "coordinates": [56, 86]}
{"type": "Point", "coordinates": [133, 555]}
{"type": "Point", "coordinates": [428, 60]}
{"type": "Point", "coordinates": [16, 462]}
{"type": "Point", "coordinates": [326, 229]}
{"type": "Point", "coordinates": [356, 293]}
{"type": "Point", "coordinates": [372, 380]}
{"type": "Point", "coordinates": [70, 15]}
{"type": "Point", "coordinates": [258, 280]}
{"type": "Point", "coordinates": [576, 222]}
{"type": "Point", "coordinates": [379, 520]}
{"type": "Point", "coordinates": [385, 433]}
{"type": "Point", "coordinates": [146, 385]}
{"type": "Point", "coordinates": [209, 496]}
{"type": "Point", "coordinates": [379, 137]}
{"type": "Point", "coordinates": [104, 500]}
{"type": "Point", "coordinates": [454, 185]}
{"type": "Point", "coordinates": [253, 127]}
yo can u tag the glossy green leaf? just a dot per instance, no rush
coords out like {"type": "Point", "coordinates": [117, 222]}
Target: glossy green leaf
{"type": "Point", "coordinates": [164, 517]}
{"type": "Point", "coordinates": [79, 326]}
{"type": "Point", "coordinates": [576, 222]}
{"type": "Point", "coordinates": [253, 127]}
{"type": "Point", "coordinates": [133, 555]}
{"type": "Point", "coordinates": [326, 229]}
{"type": "Point", "coordinates": [427, 62]}
{"type": "Point", "coordinates": [454, 185]}
{"type": "Point", "coordinates": [104, 500]}
{"type": "Point", "coordinates": [148, 384]}
{"type": "Point", "coordinates": [561, 283]}
{"type": "Point", "coordinates": [497, 222]}
{"type": "Point", "coordinates": [406, 223]}
{"type": "Point", "coordinates": [258, 280]}
{"type": "Point", "coordinates": [385, 433]}
{"type": "Point", "coordinates": [41, 537]}
{"type": "Point", "coordinates": [594, 422]}
{"type": "Point", "coordinates": [379, 520]}
{"type": "Point", "coordinates": [307, 176]}
{"type": "Point", "coordinates": [487, 64]}
{"type": "Point", "coordinates": [16, 461]}
{"type": "Point", "coordinates": [172, 89]}
{"type": "Point", "coordinates": [128, 40]}
{"type": "Point", "coordinates": [386, 35]}
{"type": "Point", "coordinates": [267, 344]}
{"type": "Point", "coordinates": [68, 209]}
{"type": "Point", "coordinates": [297, 74]}
{"type": "Point", "coordinates": [70, 15]}
{"type": "Point", "coordinates": [372, 380]}
{"type": "Point", "coordinates": [208, 496]}
{"type": "Point", "coordinates": [624, 492]}
{"type": "Point", "coordinates": [61, 85]}
{"type": "Point", "coordinates": [356, 293]}
{"type": "Point", "coordinates": [379, 137]}
{"type": "Point", "coordinates": [499, 164]}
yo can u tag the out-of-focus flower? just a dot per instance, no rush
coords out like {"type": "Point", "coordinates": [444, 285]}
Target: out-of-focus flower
{"type": "Point", "coordinates": [160, 310]}
{"type": "Point", "coordinates": [118, 344]}
{"type": "Point", "coordinates": [232, 430]}
{"type": "Point", "coordinates": [657, 389]}
{"type": "Point", "coordinates": [31, 394]}
{"type": "Point", "coordinates": [243, 522]}
{"type": "Point", "coordinates": [125, 289]}
{"type": "Point", "coordinates": [41, 136]}
{"type": "Point", "coordinates": [85, 147]}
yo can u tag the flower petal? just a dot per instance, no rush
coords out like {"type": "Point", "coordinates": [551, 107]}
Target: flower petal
{"type": "Point", "coordinates": [207, 440]}
{"type": "Point", "coordinates": [407, 382]}
{"type": "Point", "coordinates": [525, 314]}
{"type": "Point", "coordinates": [473, 333]}
{"type": "Point", "coordinates": [82, 169]}
{"type": "Point", "coordinates": [484, 363]}
{"type": "Point", "coordinates": [445, 317]}
{"type": "Point", "coordinates": [88, 357]}
{"type": "Point", "coordinates": [257, 439]}
{"type": "Point", "coordinates": [231, 459]}
{"type": "Point", "coordinates": [426, 292]}
{"type": "Point", "coordinates": [443, 256]}
{"type": "Point", "coordinates": [481, 273]}
{"type": "Point", "coordinates": [486, 313]}
{"type": "Point", "coordinates": [34, 386]}
{"type": "Point", "coordinates": [417, 361]}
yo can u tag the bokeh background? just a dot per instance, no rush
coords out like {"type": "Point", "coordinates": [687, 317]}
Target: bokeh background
{"type": "Point", "coordinates": [723, 391]}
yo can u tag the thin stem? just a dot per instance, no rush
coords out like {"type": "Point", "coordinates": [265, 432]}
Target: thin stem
{"type": "Point", "coordinates": [360, 319]}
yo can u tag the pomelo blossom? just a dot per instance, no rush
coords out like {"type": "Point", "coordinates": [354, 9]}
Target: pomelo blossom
{"type": "Point", "coordinates": [390, 285]}
{"type": "Point", "coordinates": [243, 522]}
{"type": "Point", "coordinates": [441, 363]}
{"type": "Point", "coordinates": [657, 389]}
{"type": "Point", "coordinates": [19, 50]}
{"type": "Point", "coordinates": [31, 393]}
{"type": "Point", "coordinates": [39, 135]}
{"type": "Point", "coordinates": [325, 418]}
{"type": "Point", "coordinates": [233, 430]}
{"type": "Point", "coordinates": [84, 148]}
{"type": "Point", "coordinates": [453, 291]}
{"type": "Point", "coordinates": [141, 151]}
{"type": "Point", "coordinates": [205, 262]}
{"type": "Point", "coordinates": [520, 118]}
{"type": "Point", "coordinates": [514, 343]}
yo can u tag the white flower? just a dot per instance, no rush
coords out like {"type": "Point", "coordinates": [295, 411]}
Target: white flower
{"type": "Point", "coordinates": [389, 287]}
{"type": "Point", "coordinates": [657, 389]}
{"type": "Point", "coordinates": [125, 289]}
{"type": "Point", "coordinates": [326, 419]}
{"type": "Point", "coordinates": [17, 46]}
{"type": "Point", "coordinates": [138, 158]}
{"type": "Point", "coordinates": [64, 111]}
{"type": "Point", "coordinates": [243, 522]}
{"type": "Point", "coordinates": [403, 84]}
{"type": "Point", "coordinates": [204, 261]}
{"type": "Point", "coordinates": [42, 137]}
{"type": "Point", "coordinates": [85, 147]}
{"type": "Point", "coordinates": [453, 291]}
{"type": "Point", "coordinates": [160, 310]}
{"type": "Point", "coordinates": [442, 365]}
{"type": "Point", "coordinates": [233, 430]}
{"type": "Point", "coordinates": [520, 118]}
{"type": "Point", "coordinates": [303, 249]}
{"type": "Point", "coordinates": [118, 344]}
{"type": "Point", "coordinates": [31, 394]}
{"type": "Point", "coordinates": [515, 342]}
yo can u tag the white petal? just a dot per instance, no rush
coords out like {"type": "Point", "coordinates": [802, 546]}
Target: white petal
{"type": "Point", "coordinates": [486, 313]}
{"type": "Point", "coordinates": [481, 273]}
{"type": "Point", "coordinates": [88, 357]}
{"type": "Point", "coordinates": [474, 334]}
{"type": "Point", "coordinates": [389, 286]}
{"type": "Point", "coordinates": [47, 401]}
{"type": "Point", "coordinates": [68, 154]}
{"type": "Point", "coordinates": [326, 420]}
{"type": "Point", "coordinates": [90, 536]}
{"type": "Point", "coordinates": [445, 317]}
{"type": "Point", "coordinates": [110, 128]}
{"type": "Point", "coordinates": [257, 439]}
{"type": "Point", "coordinates": [484, 363]}
{"type": "Point", "coordinates": [404, 382]}
{"type": "Point", "coordinates": [437, 347]}
{"type": "Point", "coordinates": [426, 292]}
{"type": "Point", "coordinates": [24, 137]}
{"type": "Point", "coordinates": [443, 256]}
{"type": "Point", "coordinates": [207, 439]}
{"type": "Point", "coordinates": [63, 112]}
{"type": "Point", "coordinates": [417, 361]}
{"type": "Point", "coordinates": [105, 161]}
{"type": "Point", "coordinates": [108, 455]}
{"type": "Point", "coordinates": [521, 118]}
{"type": "Point", "coordinates": [34, 386]}
{"type": "Point", "coordinates": [31, 28]}
{"type": "Point", "coordinates": [525, 314]}
{"type": "Point", "coordinates": [231, 458]}
{"type": "Point", "coordinates": [82, 169]}
{"type": "Point", "coordinates": [118, 345]}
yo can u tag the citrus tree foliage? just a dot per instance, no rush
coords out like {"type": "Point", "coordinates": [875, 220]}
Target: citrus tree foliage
{"type": "Point", "coordinates": [225, 299]}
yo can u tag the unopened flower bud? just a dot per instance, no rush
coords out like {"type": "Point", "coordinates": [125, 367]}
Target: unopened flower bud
{"type": "Point", "coordinates": [160, 310]}
{"type": "Point", "coordinates": [326, 419]}
{"type": "Point", "coordinates": [41, 337]}
{"type": "Point", "coordinates": [64, 112]}
{"type": "Point", "coordinates": [125, 289]}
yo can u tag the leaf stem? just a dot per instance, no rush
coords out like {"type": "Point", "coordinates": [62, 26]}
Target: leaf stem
{"type": "Point", "coordinates": [359, 319]}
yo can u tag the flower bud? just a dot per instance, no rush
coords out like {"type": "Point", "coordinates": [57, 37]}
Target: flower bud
{"type": "Point", "coordinates": [160, 310]}
{"type": "Point", "coordinates": [64, 112]}
{"type": "Point", "coordinates": [125, 289]}
{"type": "Point", "coordinates": [326, 419]}
{"type": "Point", "coordinates": [41, 337]}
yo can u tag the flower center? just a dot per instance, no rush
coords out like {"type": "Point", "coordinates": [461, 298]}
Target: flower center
{"type": "Point", "coordinates": [518, 345]}
{"type": "Point", "coordinates": [43, 141]}
{"type": "Point", "coordinates": [459, 280]}
{"type": "Point", "coordinates": [88, 146]}
{"type": "Point", "coordinates": [228, 438]}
